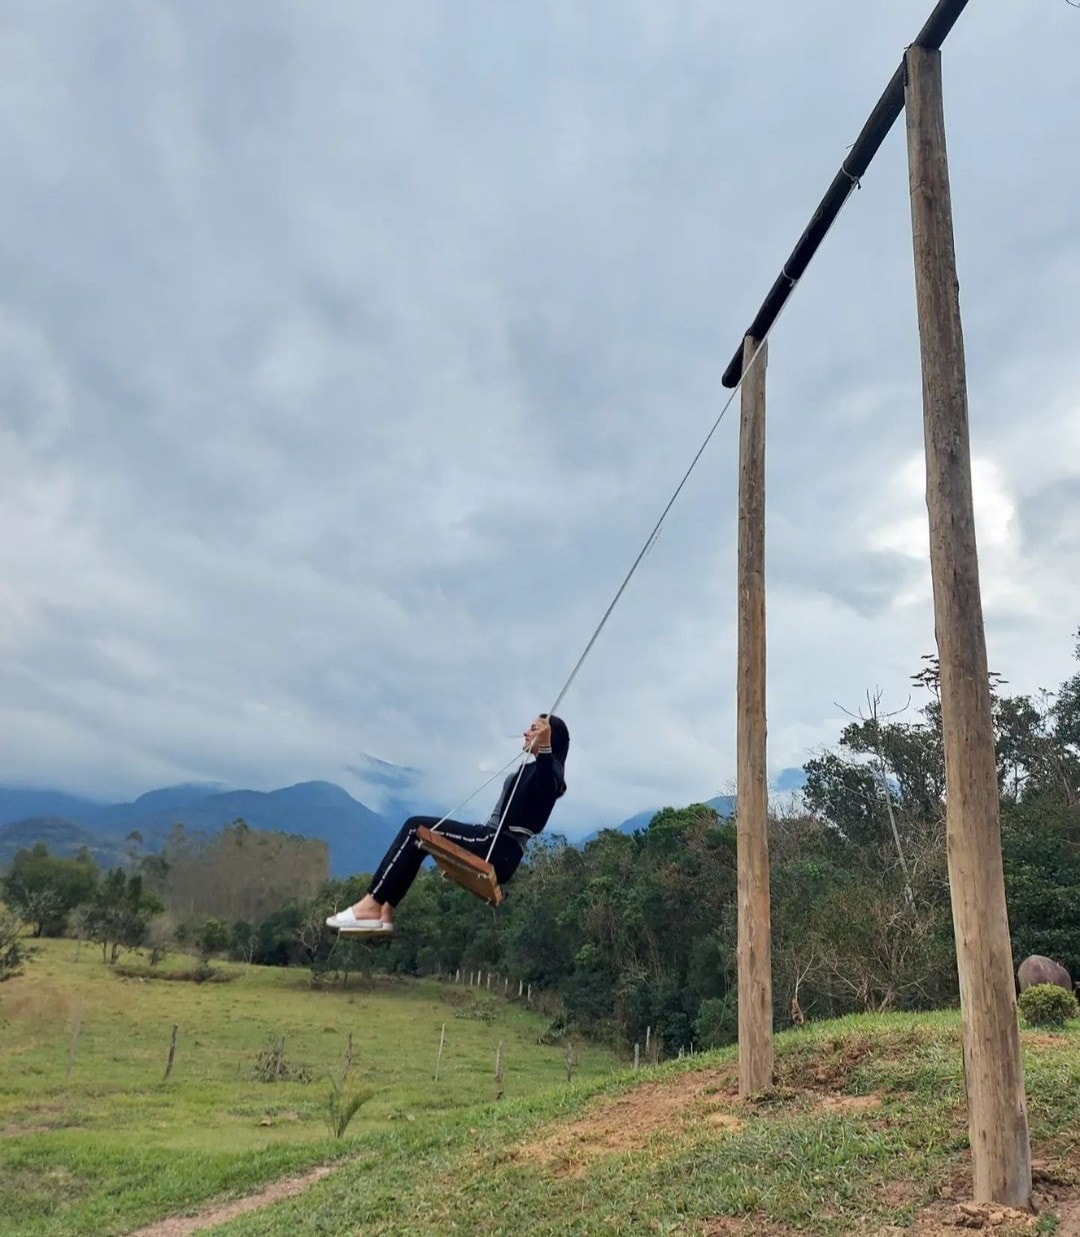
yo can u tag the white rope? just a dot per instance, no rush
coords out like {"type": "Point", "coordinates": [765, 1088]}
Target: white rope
{"type": "Point", "coordinates": [506, 809]}
{"type": "Point", "coordinates": [663, 516]}
{"type": "Point", "coordinates": [650, 541]}
{"type": "Point", "coordinates": [497, 773]}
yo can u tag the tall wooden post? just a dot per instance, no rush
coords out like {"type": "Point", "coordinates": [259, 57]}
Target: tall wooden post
{"type": "Point", "coordinates": [997, 1119]}
{"type": "Point", "coordinates": [755, 952]}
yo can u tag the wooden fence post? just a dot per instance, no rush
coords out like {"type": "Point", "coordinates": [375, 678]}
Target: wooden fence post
{"type": "Point", "coordinates": [172, 1053]}
{"type": "Point", "coordinates": [73, 1043]}
{"type": "Point", "coordinates": [438, 1059]}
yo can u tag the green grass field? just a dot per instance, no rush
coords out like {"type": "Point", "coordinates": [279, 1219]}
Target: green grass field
{"type": "Point", "coordinates": [113, 1145]}
{"type": "Point", "coordinates": [864, 1133]}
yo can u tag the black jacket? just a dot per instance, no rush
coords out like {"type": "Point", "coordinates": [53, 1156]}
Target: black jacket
{"type": "Point", "coordinates": [542, 782]}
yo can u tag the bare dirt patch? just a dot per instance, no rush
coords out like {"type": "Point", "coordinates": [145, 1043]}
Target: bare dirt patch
{"type": "Point", "coordinates": [942, 1219]}
{"type": "Point", "coordinates": [953, 1213]}
{"type": "Point", "coordinates": [744, 1226]}
{"type": "Point", "coordinates": [181, 1226]}
{"type": "Point", "coordinates": [946, 1219]}
{"type": "Point", "coordinates": [897, 1194]}
{"type": "Point", "coordinates": [1044, 1039]}
{"type": "Point", "coordinates": [631, 1121]}
{"type": "Point", "coordinates": [1068, 1217]}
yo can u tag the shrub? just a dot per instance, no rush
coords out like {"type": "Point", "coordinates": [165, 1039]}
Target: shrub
{"type": "Point", "coordinates": [1047, 1005]}
{"type": "Point", "coordinates": [557, 1030]}
{"type": "Point", "coordinates": [272, 1065]}
{"type": "Point", "coordinates": [717, 1022]}
{"type": "Point", "coordinates": [199, 974]}
{"type": "Point", "coordinates": [481, 1009]}
{"type": "Point", "coordinates": [211, 937]}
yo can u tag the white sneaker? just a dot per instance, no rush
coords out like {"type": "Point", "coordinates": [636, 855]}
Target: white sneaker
{"type": "Point", "coordinates": [346, 921]}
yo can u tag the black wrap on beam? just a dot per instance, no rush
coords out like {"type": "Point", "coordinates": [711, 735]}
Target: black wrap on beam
{"type": "Point", "coordinates": [866, 146]}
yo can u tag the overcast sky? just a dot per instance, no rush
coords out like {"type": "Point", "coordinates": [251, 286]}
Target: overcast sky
{"type": "Point", "coordinates": [349, 351]}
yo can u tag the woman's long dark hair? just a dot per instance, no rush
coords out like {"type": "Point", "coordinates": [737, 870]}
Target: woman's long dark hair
{"type": "Point", "coordinates": [560, 743]}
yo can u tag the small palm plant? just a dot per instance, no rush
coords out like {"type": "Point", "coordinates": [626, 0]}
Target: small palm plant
{"type": "Point", "coordinates": [342, 1104]}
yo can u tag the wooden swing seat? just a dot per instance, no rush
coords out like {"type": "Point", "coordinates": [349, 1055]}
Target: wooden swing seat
{"type": "Point", "coordinates": [461, 866]}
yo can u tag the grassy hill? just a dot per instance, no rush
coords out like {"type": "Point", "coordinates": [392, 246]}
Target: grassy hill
{"type": "Point", "coordinates": [110, 1144]}
{"type": "Point", "coordinates": [864, 1133]}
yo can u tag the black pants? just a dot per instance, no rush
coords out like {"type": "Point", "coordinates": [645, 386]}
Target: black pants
{"type": "Point", "coordinates": [402, 861]}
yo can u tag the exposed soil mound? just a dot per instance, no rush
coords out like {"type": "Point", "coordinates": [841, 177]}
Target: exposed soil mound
{"type": "Point", "coordinates": [631, 1121]}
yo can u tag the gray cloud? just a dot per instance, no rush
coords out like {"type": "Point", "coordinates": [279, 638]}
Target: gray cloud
{"type": "Point", "coordinates": [347, 356]}
{"type": "Point", "coordinates": [1049, 520]}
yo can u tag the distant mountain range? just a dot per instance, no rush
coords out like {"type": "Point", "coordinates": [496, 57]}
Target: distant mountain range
{"type": "Point", "coordinates": [356, 836]}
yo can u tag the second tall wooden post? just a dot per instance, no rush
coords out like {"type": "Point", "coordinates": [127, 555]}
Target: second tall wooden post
{"type": "Point", "coordinates": [755, 946]}
{"type": "Point", "coordinates": [993, 1072]}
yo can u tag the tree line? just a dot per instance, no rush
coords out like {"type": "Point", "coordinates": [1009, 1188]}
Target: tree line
{"type": "Point", "coordinates": [639, 931]}
{"type": "Point", "coordinates": [184, 895]}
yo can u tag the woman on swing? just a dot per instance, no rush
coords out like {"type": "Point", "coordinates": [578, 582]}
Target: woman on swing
{"type": "Point", "coordinates": [541, 783]}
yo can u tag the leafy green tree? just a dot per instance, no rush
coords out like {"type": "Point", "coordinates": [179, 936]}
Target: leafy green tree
{"type": "Point", "coordinates": [1040, 841]}
{"type": "Point", "coordinates": [13, 950]}
{"type": "Point", "coordinates": [1067, 712]}
{"type": "Point", "coordinates": [542, 933]}
{"type": "Point", "coordinates": [243, 941]}
{"type": "Point", "coordinates": [44, 888]}
{"type": "Point", "coordinates": [120, 913]}
{"type": "Point", "coordinates": [211, 937]}
{"type": "Point", "coordinates": [636, 931]}
{"type": "Point", "coordinates": [885, 775]}
{"type": "Point", "coordinates": [717, 1022]}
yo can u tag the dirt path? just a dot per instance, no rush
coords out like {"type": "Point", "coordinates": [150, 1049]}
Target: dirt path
{"type": "Point", "coordinates": [181, 1226]}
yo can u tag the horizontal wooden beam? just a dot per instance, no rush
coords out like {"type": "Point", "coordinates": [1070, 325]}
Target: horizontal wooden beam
{"type": "Point", "coordinates": [866, 146]}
